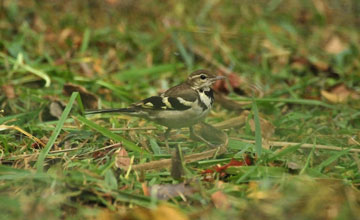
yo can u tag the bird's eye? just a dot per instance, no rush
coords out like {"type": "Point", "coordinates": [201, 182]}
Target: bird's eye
{"type": "Point", "coordinates": [202, 76]}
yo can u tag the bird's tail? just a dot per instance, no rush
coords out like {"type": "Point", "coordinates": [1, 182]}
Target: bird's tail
{"type": "Point", "coordinates": [119, 110]}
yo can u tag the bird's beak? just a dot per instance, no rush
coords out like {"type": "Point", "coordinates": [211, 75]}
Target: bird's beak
{"type": "Point", "coordinates": [218, 78]}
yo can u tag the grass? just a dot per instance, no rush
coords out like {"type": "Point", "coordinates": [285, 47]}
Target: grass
{"type": "Point", "coordinates": [301, 147]}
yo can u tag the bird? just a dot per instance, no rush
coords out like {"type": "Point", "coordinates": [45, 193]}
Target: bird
{"type": "Point", "coordinates": [183, 105]}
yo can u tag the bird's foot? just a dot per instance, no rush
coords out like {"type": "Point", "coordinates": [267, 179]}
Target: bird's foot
{"type": "Point", "coordinates": [195, 136]}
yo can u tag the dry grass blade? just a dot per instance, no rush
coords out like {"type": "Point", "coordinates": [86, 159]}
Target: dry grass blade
{"type": "Point", "coordinates": [5, 127]}
{"type": "Point", "coordinates": [286, 144]}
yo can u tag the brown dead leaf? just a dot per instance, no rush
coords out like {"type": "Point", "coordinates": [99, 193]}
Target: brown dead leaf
{"type": "Point", "coordinates": [9, 91]}
{"type": "Point", "coordinates": [335, 45]}
{"type": "Point", "coordinates": [89, 99]}
{"type": "Point", "coordinates": [340, 94]}
{"type": "Point", "coordinates": [220, 200]}
{"type": "Point", "coordinates": [122, 158]}
{"type": "Point", "coordinates": [234, 81]}
{"type": "Point", "coordinates": [65, 33]}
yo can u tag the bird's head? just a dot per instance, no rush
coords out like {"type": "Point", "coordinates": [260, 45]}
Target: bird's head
{"type": "Point", "coordinates": [202, 79]}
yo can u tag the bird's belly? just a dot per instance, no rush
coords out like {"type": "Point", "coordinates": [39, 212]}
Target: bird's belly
{"type": "Point", "coordinates": [180, 119]}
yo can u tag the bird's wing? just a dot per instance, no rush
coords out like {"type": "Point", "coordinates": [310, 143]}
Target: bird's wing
{"type": "Point", "coordinates": [176, 98]}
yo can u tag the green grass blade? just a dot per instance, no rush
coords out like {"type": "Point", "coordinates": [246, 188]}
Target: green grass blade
{"type": "Point", "coordinates": [20, 64]}
{"type": "Point", "coordinates": [40, 162]}
{"type": "Point", "coordinates": [132, 198]}
{"type": "Point", "coordinates": [258, 141]}
{"type": "Point", "coordinates": [137, 73]}
{"type": "Point", "coordinates": [295, 101]}
{"type": "Point", "coordinates": [154, 146]}
{"type": "Point", "coordinates": [284, 152]}
{"type": "Point", "coordinates": [18, 117]}
{"type": "Point", "coordinates": [80, 104]}
{"type": "Point", "coordinates": [122, 94]}
{"type": "Point", "coordinates": [189, 60]}
{"type": "Point", "coordinates": [85, 41]}
{"type": "Point", "coordinates": [128, 144]}
{"type": "Point", "coordinates": [245, 175]}
{"type": "Point", "coordinates": [307, 163]}
{"type": "Point", "coordinates": [331, 159]}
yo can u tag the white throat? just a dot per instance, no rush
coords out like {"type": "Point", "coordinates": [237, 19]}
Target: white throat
{"type": "Point", "coordinates": [204, 98]}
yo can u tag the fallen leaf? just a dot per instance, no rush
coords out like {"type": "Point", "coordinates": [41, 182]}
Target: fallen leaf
{"type": "Point", "coordinates": [89, 99]}
{"type": "Point", "coordinates": [340, 94]}
{"type": "Point", "coordinates": [9, 91]}
{"type": "Point", "coordinates": [122, 158]}
{"type": "Point", "coordinates": [64, 34]}
{"type": "Point", "coordinates": [234, 81]}
{"type": "Point", "coordinates": [56, 109]}
{"type": "Point", "coordinates": [335, 45]}
{"type": "Point", "coordinates": [220, 200]}
{"type": "Point", "coordinates": [221, 169]}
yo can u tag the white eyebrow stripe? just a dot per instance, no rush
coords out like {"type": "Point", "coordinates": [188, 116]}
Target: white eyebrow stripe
{"type": "Point", "coordinates": [196, 76]}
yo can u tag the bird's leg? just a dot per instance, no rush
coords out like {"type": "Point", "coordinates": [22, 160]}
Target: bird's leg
{"type": "Point", "coordinates": [193, 135]}
{"type": "Point", "coordinates": [167, 134]}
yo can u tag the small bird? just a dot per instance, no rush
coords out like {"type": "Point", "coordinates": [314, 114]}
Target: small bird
{"type": "Point", "coordinates": [181, 106]}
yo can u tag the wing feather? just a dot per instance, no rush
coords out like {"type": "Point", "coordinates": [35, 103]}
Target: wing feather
{"type": "Point", "coordinates": [180, 97]}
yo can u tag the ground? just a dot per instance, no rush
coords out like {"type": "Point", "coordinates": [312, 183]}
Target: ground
{"type": "Point", "coordinates": [286, 120]}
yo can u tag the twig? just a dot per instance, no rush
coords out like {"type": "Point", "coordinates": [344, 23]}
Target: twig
{"type": "Point", "coordinates": [132, 129]}
{"type": "Point", "coordinates": [165, 163]}
{"type": "Point", "coordinates": [283, 144]}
